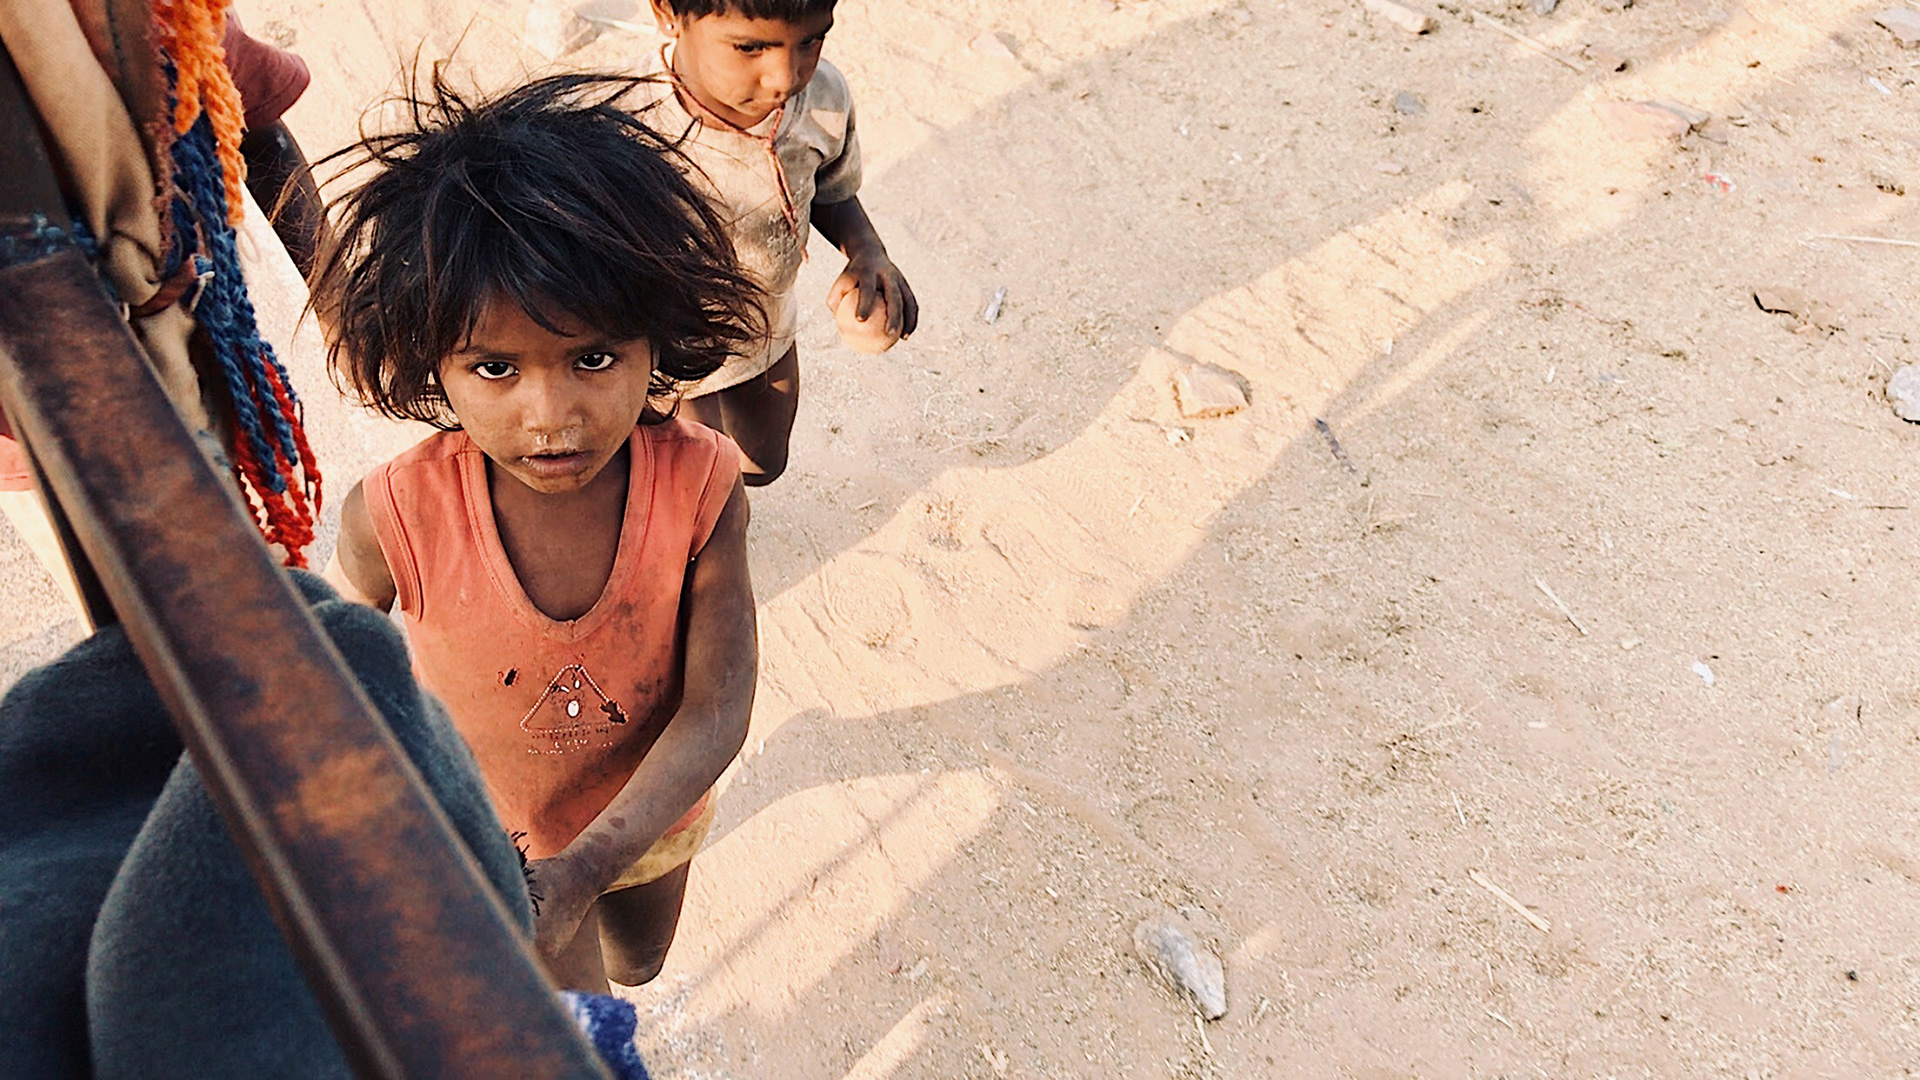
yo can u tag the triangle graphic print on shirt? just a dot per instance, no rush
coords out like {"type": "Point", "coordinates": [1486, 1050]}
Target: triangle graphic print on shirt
{"type": "Point", "coordinates": [571, 714]}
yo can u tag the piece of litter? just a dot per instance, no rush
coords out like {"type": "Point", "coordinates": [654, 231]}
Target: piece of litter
{"type": "Point", "coordinates": [1836, 754]}
{"type": "Point", "coordinates": [1628, 644]}
{"type": "Point", "coordinates": [1878, 85]}
{"type": "Point", "coordinates": [1705, 672]}
{"type": "Point", "coordinates": [919, 969]}
{"type": "Point", "coordinates": [1389, 168]}
{"type": "Point", "coordinates": [1339, 452]}
{"type": "Point", "coordinates": [992, 314]}
{"type": "Point", "coordinates": [1561, 604]}
{"type": "Point", "coordinates": [1507, 898]}
{"type": "Point", "coordinates": [1720, 182]}
{"type": "Point", "coordinates": [1407, 103]}
{"type": "Point", "coordinates": [1537, 725]}
{"type": "Point", "coordinates": [1551, 369]}
{"type": "Point", "coordinates": [1176, 435]}
{"type": "Point", "coordinates": [1838, 494]}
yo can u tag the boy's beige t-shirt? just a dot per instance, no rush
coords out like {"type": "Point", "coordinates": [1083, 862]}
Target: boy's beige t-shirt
{"type": "Point", "coordinates": [820, 156]}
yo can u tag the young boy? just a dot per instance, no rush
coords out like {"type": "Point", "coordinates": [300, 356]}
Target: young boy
{"type": "Point", "coordinates": [532, 274]}
{"type": "Point", "coordinates": [769, 127]}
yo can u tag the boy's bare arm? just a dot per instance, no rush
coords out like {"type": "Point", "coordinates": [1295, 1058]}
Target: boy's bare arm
{"type": "Point", "coordinates": [869, 269]}
{"type": "Point", "coordinates": [358, 571]}
{"type": "Point", "coordinates": [704, 736]}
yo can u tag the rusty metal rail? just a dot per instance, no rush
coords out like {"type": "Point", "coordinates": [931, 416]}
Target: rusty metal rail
{"type": "Point", "coordinates": [416, 962]}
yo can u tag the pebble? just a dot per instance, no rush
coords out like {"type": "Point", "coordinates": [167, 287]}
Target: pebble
{"type": "Point", "coordinates": [1903, 24]}
{"type": "Point", "coordinates": [1903, 390]}
{"type": "Point", "coordinates": [1168, 947]}
{"type": "Point", "coordinates": [1545, 7]}
{"type": "Point", "coordinates": [1608, 59]}
{"type": "Point", "coordinates": [992, 44]}
{"type": "Point", "coordinates": [1390, 168]}
{"type": "Point", "coordinates": [1640, 121]}
{"type": "Point", "coordinates": [1407, 103]}
{"type": "Point", "coordinates": [1207, 391]}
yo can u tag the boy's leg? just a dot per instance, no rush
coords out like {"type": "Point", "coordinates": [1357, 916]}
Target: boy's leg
{"type": "Point", "coordinates": [580, 967]}
{"type": "Point", "coordinates": [637, 925]}
{"type": "Point", "coordinates": [757, 414]}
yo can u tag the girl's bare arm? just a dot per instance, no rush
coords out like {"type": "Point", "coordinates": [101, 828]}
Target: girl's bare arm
{"type": "Point", "coordinates": [358, 571]}
{"type": "Point", "coordinates": [704, 736]}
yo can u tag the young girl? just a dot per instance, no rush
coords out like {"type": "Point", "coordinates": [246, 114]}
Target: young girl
{"type": "Point", "coordinates": [532, 274]}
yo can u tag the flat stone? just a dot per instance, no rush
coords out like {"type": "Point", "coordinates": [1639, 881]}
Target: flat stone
{"type": "Point", "coordinates": [992, 44]}
{"type": "Point", "coordinates": [1640, 121]}
{"type": "Point", "coordinates": [1903, 24]}
{"type": "Point", "coordinates": [1903, 390]}
{"type": "Point", "coordinates": [1694, 117]}
{"type": "Point", "coordinates": [1168, 947]}
{"type": "Point", "coordinates": [1207, 391]}
{"type": "Point", "coordinates": [1407, 103]}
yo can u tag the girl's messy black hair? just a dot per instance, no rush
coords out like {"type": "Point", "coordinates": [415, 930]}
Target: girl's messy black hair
{"type": "Point", "coordinates": [553, 196]}
{"type": "Point", "coordinates": [788, 10]}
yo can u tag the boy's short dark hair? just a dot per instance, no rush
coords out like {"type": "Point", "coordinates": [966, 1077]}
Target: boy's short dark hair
{"type": "Point", "coordinates": [788, 10]}
{"type": "Point", "coordinates": [553, 196]}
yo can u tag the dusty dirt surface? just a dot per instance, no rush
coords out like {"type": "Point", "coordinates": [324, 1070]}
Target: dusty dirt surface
{"type": "Point", "coordinates": [1043, 657]}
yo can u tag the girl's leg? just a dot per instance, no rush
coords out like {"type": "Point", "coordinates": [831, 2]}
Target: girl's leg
{"type": "Point", "coordinates": [757, 414]}
{"type": "Point", "coordinates": [637, 925]}
{"type": "Point", "coordinates": [580, 966]}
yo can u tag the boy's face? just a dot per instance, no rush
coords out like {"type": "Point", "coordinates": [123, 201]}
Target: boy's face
{"type": "Point", "coordinates": [549, 409]}
{"type": "Point", "coordinates": [739, 68]}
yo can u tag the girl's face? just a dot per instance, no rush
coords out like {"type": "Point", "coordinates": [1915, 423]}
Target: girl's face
{"type": "Point", "coordinates": [739, 68]}
{"type": "Point", "coordinates": [549, 409]}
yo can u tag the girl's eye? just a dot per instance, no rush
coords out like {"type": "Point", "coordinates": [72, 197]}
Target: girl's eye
{"type": "Point", "coordinates": [599, 361]}
{"type": "Point", "coordinates": [493, 369]}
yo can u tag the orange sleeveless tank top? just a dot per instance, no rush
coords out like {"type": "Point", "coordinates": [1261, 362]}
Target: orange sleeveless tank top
{"type": "Point", "coordinates": [558, 714]}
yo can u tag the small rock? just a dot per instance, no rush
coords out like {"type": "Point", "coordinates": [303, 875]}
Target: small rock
{"type": "Point", "coordinates": [1903, 24]}
{"type": "Point", "coordinates": [1903, 390]}
{"type": "Point", "coordinates": [1545, 7]}
{"type": "Point", "coordinates": [1206, 391]}
{"type": "Point", "coordinates": [554, 28]}
{"type": "Point", "coordinates": [1640, 121]}
{"type": "Point", "coordinates": [1168, 947]}
{"type": "Point", "coordinates": [1407, 103]}
{"type": "Point", "coordinates": [1780, 301]}
{"type": "Point", "coordinates": [1694, 117]}
{"type": "Point", "coordinates": [1390, 168]}
{"type": "Point", "coordinates": [1606, 59]}
{"type": "Point", "coordinates": [1811, 315]}
{"type": "Point", "coordinates": [1890, 185]}
{"type": "Point", "coordinates": [992, 44]}
{"type": "Point", "coordinates": [1402, 16]}
{"type": "Point", "coordinates": [282, 35]}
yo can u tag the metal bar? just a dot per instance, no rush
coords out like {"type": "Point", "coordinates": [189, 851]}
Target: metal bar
{"type": "Point", "coordinates": [417, 964]}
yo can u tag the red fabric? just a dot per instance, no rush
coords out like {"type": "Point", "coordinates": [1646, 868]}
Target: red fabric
{"type": "Point", "coordinates": [558, 714]}
{"type": "Point", "coordinates": [270, 80]}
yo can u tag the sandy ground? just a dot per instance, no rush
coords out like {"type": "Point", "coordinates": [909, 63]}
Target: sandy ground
{"type": "Point", "coordinates": [1043, 658]}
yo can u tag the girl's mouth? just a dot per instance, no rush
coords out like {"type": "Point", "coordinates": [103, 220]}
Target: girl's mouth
{"type": "Point", "coordinates": [556, 464]}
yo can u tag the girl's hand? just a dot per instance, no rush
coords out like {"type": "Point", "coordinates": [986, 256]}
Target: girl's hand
{"type": "Point", "coordinates": [565, 896]}
{"type": "Point", "coordinates": [877, 278]}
